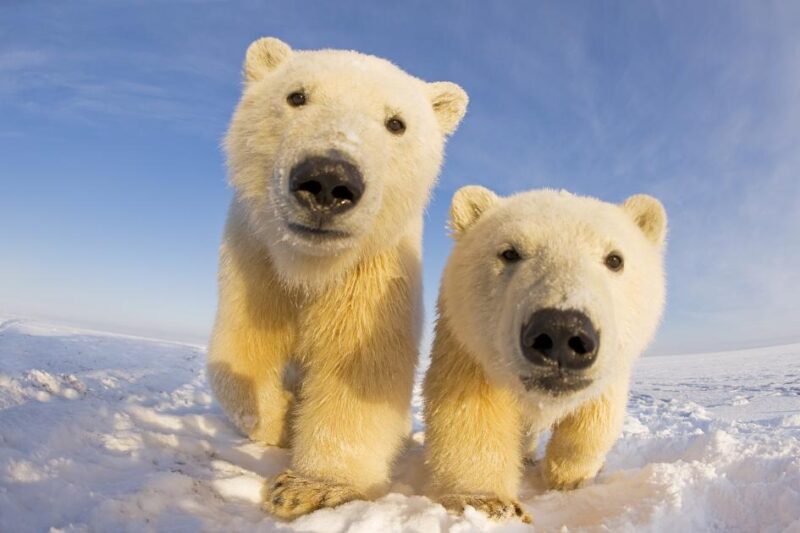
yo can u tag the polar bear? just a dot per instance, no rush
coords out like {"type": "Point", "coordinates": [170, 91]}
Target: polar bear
{"type": "Point", "coordinates": [545, 302]}
{"type": "Point", "coordinates": [332, 155]}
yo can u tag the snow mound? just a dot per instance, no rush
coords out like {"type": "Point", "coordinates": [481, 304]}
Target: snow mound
{"type": "Point", "coordinates": [101, 432]}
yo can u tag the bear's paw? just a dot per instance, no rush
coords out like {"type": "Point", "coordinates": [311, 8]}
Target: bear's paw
{"type": "Point", "coordinates": [494, 507]}
{"type": "Point", "coordinates": [569, 474]}
{"type": "Point", "coordinates": [290, 495]}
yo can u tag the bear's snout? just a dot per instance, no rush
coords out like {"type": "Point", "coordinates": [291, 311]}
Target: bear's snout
{"type": "Point", "coordinates": [326, 186]}
{"type": "Point", "coordinates": [563, 338]}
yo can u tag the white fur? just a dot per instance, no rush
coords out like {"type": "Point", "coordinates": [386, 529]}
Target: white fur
{"type": "Point", "coordinates": [479, 412]}
{"type": "Point", "coordinates": [563, 240]}
{"type": "Point", "coordinates": [316, 339]}
{"type": "Point", "coordinates": [350, 97]}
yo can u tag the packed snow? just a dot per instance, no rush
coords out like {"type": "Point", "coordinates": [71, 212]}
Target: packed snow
{"type": "Point", "coordinates": [101, 432]}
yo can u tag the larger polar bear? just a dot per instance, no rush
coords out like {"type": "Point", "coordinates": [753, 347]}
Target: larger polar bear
{"type": "Point", "coordinates": [545, 302]}
{"type": "Point", "coordinates": [332, 155]}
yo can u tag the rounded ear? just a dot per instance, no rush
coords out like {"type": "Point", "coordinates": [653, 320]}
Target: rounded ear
{"type": "Point", "coordinates": [449, 103]}
{"type": "Point", "coordinates": [263, 55]}
{"type": "Point", "coordinates": [649, 215]}
{"type": "Point", "coordinates": [468, 204]}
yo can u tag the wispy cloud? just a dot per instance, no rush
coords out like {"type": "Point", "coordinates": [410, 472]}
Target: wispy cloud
{"type": "Point", "coordinates": [93, 86]}
{"type": "Point", "coordinates": [11, 60]}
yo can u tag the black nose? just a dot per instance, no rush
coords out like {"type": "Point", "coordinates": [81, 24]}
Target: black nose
{"type": "Point", "coordinates": [326, 185]}
{"type": "Point", "coordinates": [566, 338]}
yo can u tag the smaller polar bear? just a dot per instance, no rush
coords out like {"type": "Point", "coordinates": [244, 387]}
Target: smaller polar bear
{"type": "Point", "coordinates": [546, 301]}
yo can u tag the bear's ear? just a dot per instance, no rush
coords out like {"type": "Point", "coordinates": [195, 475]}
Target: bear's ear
{"type": "Point", "coordinates": [649, 215]}
{"type": "Point", "coordinates": [469, 203]}
{"type": "Point", "coordinates": [264, 55]}
{"type": "Point", "coordinates": [449, 103]}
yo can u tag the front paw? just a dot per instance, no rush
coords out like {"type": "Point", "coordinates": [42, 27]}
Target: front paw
{"type": "Point", "coordinates": [568, 475]}
{"type": "Point", "coordinates": [494, 507]}
{"type": "Point", "coordinates": [290, 495]}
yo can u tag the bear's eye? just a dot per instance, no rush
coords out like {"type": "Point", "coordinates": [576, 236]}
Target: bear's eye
{"type": "Point", "coordinates": [614, 261]}
{"type": "Point", "coordinates": [396, 126]}
{"type": "Point", "coordinates": [296, 99]}
{"type": "Point", "coordinates": [510, 255]}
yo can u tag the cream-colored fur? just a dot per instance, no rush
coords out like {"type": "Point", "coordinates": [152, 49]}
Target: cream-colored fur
{"type": "Point", "coordinates": [481, 417]}
{"type": "Point", "coordinates": [315, 341]}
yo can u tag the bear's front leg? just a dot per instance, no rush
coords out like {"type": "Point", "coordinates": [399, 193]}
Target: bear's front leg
{"type": "Point", "coordinates": [251, 345]}
{"type": "Point", "coordinates": [582, 439]}
{"type": "Point", "coordinates": [352, 414]}
{"type": "Point", "coordinates": [347, 433]}
{"type": "Point", "coordinates": [473, 440]}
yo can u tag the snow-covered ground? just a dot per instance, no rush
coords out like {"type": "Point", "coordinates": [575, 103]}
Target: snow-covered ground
{"type": "Point", "coordinates": [103, 432]}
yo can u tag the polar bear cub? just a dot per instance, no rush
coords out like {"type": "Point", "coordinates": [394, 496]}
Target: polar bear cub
{"type": "Point", "coordinates": [545, 302]}
{"type": "Point", "coordinates": [332, 155]}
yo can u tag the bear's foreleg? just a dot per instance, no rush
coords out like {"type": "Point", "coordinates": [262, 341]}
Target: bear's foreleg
{"type": "Point", "coordinates": [582, 439]}
{"type": "Point", "coordinates": [349, 426]}
{"type": "Point", "coordinates": [252, 341]}
{"type": "Point", "coordinates": [249, 387]}
{"type": "Point", "coordinates": [352, 416]}
{"type": "Point", "coordinates": [474, 437]}
{"type": "Point", "coordinates": [344, 444]}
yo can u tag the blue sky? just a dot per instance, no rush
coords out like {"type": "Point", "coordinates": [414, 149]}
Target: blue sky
{"type": "Point", "coordinates": [112, 183]}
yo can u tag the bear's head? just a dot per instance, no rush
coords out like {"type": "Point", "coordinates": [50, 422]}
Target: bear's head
{"type": "Point", "coordinates": [554, 293]}
{"type": "Point", "coordinates": [333, 154]}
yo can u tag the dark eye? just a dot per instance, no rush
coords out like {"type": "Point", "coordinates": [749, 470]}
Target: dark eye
{"type": "Point", "coordinates": [614, 261]}
{"type": "Point", "coordinates": [395, 125]}
{"type": "Point", "coordinates": [296, 99]}
{"type": "Point", "coordinates": [510, 255]}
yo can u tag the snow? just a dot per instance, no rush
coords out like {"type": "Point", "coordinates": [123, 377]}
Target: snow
{"type": "Point", "coordinates": [102, 432]}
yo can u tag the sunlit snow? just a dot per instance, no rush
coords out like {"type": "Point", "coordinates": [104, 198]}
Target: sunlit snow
{"type": "Point", "coordinates": [101, 432]}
